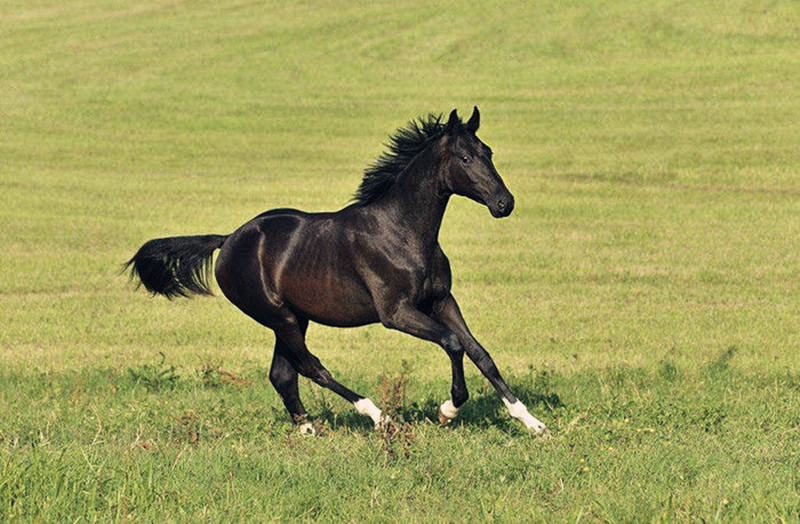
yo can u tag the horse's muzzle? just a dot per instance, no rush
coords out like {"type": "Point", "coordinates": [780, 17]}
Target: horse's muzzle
{"type": "Point", "coordinates": [502, 206]}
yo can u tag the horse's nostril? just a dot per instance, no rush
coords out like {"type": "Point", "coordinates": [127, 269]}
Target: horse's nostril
{"type": "Point", "coordinates": [504, 206]}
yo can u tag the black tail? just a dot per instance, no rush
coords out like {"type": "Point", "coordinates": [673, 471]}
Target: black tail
{"type": "Point", "coordinates": [176, 267]}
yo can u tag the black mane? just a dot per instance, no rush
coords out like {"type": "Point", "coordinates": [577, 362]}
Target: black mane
{"type": "Point", "coordinates": [405, 144]}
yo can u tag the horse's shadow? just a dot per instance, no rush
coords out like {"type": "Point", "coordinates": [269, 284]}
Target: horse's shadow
{"type": "Point", "coordinates": [484, 409]}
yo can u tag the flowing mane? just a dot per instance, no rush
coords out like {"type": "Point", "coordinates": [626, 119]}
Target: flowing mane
{"type": "Point", "coordinates": [403, 146]}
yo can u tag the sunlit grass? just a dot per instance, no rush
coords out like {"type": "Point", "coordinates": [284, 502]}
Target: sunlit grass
{"type": "Point", "coordinates": [642, 299]}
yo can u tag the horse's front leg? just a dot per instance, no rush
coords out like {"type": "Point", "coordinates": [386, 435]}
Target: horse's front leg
{"type": "Point", "coordinates": [408, 319]}
{"type": "Point", "coordinates": [448, 313]}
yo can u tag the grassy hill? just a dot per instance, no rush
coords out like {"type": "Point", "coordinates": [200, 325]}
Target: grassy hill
{"type": "Point", "coordinates": [642, 299]}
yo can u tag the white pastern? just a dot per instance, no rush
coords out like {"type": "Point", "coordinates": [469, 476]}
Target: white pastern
{"type": "Point", "coordinates": [520, 412]}
{"type": "Point", "coordinates": [366, 407]}
{"type": "Point", "coordinates": [447, 412]}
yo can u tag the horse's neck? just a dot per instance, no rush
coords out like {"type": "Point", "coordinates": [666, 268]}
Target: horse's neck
{"type": "Point", "coordinates": [414, 202]}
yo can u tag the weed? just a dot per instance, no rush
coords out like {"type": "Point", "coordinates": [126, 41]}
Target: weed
{"type": "Point", "coordinates": [155, 377]}
{"type": "Point", "coordinates": [397, 438]}
{"type": "Point", "coordinates": [213, 376]}
{"type": "Point", "coordinates": [397, 435]}
{"type": "Point", "coordinates": [393, 389]}
{"type": "Point", "coordinates": [189, 427]}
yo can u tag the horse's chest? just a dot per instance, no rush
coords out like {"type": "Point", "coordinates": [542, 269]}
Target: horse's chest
{"type": "Point", "coordinates": [427, 276]}
{"type": "Point", "coordinates": [423, 284]}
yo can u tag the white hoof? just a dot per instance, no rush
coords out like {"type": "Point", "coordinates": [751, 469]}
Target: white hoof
{"type": "Point", "coordinates": [520, 412]}
{"type": "Point", "coordinates": [447, 412]}
{"type": "Point", "coordinates": [307, 429]}
{"type": "Point", "coordinates": [366, 407]}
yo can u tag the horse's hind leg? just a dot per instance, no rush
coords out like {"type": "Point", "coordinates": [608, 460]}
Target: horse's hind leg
{"type": "Point", "coordinates": [293, 348]}
{"type": "Point", "coordinates": [284, 379]}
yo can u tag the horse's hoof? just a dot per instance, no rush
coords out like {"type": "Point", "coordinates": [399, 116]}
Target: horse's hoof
{"type": "Point", "coordinates": [447, 412]}
{"type": "Point", "coordinates": [444, 420]}
{"type": "Point", "coordinates": [307, 429]}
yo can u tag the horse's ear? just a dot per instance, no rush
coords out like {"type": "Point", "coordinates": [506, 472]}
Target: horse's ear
{"type": "Point", "coordinates": [451, 127]}
{"type": "Point", "coordinates": [474, 121]}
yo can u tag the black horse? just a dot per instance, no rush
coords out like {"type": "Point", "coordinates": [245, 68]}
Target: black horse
{"type": "Point", "coordinates": [377, 260]}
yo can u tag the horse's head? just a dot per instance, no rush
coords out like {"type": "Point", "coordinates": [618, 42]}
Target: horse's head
{"type": "Point", "coordinates": [468, 168]}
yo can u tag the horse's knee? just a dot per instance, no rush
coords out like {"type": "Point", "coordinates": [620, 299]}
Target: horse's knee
{"type": "Point", "coordinates": [324, 378]}
{"type": "Point", "coordinates": [451, 344]}
{"type": "Point", "coordinates": [282, 378]}
{"type": "Point", "coordinates": [319, 376]}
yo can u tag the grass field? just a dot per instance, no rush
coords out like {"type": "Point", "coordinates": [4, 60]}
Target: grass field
{"type": "Point", "coordinates": [643, 298]}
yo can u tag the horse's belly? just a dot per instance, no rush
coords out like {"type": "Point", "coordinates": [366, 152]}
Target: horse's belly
{"type": "Point", "coordinates": [333, 304]}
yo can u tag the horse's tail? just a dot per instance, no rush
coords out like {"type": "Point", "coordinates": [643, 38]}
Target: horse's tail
{"type": "Point", "coordinates": [177, 266]}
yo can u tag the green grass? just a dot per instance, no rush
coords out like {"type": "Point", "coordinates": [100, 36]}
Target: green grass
{"type": "Point", "coordinates": [642, 299]}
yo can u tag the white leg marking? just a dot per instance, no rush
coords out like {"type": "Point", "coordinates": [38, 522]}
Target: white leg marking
{"type": "Point", "coordinates": [366, 407]}
{"type": "Point", "coordinates": [520, 412]}
{"type": "Point", "coordinates": [307, 429]}
{"type": "Point", "coordinates": [447, 412]}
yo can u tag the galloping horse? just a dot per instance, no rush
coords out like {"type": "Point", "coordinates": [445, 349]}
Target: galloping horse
{"type": "Point", "coordinates": [376, 260]}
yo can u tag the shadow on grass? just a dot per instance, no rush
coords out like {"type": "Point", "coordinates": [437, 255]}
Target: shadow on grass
{"type": "Point", "coordinates": [484, 409]}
